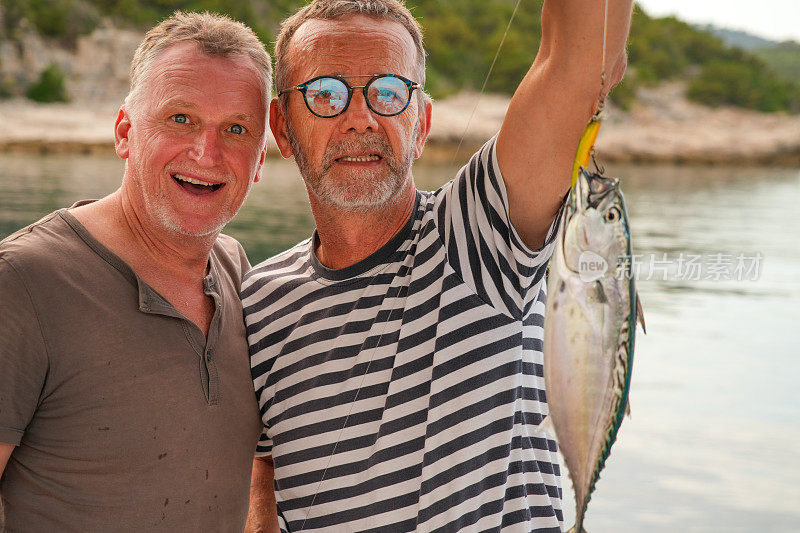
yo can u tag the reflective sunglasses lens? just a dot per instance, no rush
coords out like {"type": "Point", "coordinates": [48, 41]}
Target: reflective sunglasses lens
{"type": "Point", "coordinates": [326, 96]}
{"type": "Point", "coordinates": [388, 95]}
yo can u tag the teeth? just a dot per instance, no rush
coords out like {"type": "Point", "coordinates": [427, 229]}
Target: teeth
{"type": "Point", "coordinates": [192, 180]}
{"type": "Point", "coordinates": [360, 158]}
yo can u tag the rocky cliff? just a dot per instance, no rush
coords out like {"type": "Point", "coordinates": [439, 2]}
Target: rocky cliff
{"type": "Point", "coordinates": [96, 68]}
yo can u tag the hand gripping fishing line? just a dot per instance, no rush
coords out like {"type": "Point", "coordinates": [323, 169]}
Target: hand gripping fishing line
{"type": "Point", "coordinates": [589, 135]}
{"type": "Point", "coordinates": [586, 144]}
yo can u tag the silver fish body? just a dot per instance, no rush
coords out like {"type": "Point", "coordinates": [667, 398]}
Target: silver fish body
{"type": "Point", "coordinates": [589, 329]}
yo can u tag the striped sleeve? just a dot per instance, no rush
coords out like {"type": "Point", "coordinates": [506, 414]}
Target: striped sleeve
{"type": "Point", "coordinates": [263, 294]}
{"type": "Point", "coordinates": [481, 243]}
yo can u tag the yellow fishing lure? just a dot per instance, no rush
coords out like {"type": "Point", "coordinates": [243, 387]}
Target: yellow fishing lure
{"type": "Point", "coordinates": [585, 147]}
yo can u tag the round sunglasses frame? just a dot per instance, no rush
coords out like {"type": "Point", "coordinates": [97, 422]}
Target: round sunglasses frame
{"type": "Point", "coordinates": [303, 87]}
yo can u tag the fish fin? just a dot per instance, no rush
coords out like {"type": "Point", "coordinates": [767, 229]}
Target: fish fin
{"type": "Point", "coordinates": [600, 294]}
{"type": "Point", "coordinates": [640, 314]}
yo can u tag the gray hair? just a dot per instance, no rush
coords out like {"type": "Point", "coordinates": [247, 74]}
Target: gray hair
{"type": "Point", "coordinates": [214, 34]}
{"type": "Point", "coordinates": [393, 10]}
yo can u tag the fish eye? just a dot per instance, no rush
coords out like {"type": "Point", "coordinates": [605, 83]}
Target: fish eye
{"type": "Point", "coordinates": [612, 215]}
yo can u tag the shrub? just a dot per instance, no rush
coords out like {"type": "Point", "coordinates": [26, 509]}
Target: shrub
{"type": "Point", "coordinates": [64, 20]}
{"type": "Point", "coordinates": [744, 84]}
{"type": "Point", "coordinates": [624, 94]}
{"type": "Point", "coordinates": [49, 87]}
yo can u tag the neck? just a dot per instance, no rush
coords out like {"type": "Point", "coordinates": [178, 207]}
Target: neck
{"type": "Point", "coordinates": [115, 222]}
{"type": "Point", "coordinates": [347, 237]}
{"type": "Point", "coordinates": [174, 265]}
{"type": "Point", "coordinates": [184, 253]}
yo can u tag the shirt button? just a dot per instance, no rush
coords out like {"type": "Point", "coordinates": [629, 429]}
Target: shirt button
{"type": "Point", "coordinates": [208, 356]}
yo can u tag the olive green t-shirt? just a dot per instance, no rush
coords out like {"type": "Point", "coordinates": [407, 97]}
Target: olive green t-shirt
{"type": "Point", "coordinates": [124, 416]}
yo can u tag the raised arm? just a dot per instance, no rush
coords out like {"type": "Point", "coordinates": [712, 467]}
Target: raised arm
{"type": "Point", "coordinates": [553, 104]}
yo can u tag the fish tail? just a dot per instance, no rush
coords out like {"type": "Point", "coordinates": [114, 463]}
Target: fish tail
{"type": "Point", "coordinates": [580, 513]}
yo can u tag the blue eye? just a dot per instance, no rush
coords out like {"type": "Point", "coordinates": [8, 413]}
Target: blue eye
{"type": "Point", "coordinates": [238, 129]}
{"type": "Point", "coordinates": [180, 118]}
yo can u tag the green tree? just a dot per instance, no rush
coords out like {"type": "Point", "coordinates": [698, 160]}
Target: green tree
{"type": "Point", "coordinates": [784, 57]}
{"type": "Point", "coordinates": [49, 87]}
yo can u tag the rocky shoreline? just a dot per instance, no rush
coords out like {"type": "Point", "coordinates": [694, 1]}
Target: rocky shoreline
{"type": "Point", "coordinates": [662, 128]}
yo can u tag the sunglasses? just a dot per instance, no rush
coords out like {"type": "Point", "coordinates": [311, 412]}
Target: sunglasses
{"type": "Point", "coordinates": [328, 96]}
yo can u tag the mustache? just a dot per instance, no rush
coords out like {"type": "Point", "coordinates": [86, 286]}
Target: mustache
{"type": "Point", "coordinates": [373, 143]}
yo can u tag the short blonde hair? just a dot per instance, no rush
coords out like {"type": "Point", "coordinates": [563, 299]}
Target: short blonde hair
{"type": "Point", "coordinates": [213, 33]}
{"type": "Point", "coordinates": [393, 10]}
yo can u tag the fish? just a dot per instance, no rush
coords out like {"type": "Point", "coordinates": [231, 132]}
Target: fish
{"type": "Point", "coordinates": [589, 329]}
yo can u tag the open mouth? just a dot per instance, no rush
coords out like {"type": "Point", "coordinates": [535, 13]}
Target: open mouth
{"type": "Point", "coordinates": [359, 158]}
{"type": "Point", "coordinates": [195, 185]}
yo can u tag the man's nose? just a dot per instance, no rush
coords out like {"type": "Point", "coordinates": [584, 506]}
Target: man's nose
{"type": "Point", "coordinates": [358, 117]}
{"type": "Point", "coordinates": [205, 149]}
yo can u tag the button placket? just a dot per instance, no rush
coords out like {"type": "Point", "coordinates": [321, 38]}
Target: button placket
{"type": "Point", "coordinates": [213, 377]}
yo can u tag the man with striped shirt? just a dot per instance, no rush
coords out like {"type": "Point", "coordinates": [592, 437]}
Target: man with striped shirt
{"type": "Point", "coordinates": [396, 354]}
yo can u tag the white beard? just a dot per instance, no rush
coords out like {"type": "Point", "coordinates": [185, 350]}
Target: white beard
{"type": "Point", "coordinates": [364, 190]}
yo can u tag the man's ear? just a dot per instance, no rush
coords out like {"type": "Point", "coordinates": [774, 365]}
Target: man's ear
{"type": "Point", "coordinates": [424, 128]}
{"type": "Point", "coordinates": [261, 163]}
{"type": "Point", "coordinates": [277, 123]}
{"type": "Point", "coordinates": [122, 127]}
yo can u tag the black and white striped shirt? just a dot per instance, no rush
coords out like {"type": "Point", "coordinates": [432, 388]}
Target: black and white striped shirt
{"type": "Point", "coordinates": [406, 392]}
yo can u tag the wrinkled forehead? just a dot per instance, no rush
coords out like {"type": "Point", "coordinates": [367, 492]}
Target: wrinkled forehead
{"type": "Point", "coordinates": [355, 44]}
{"type": "Point", "coordinates": [189, 57]}
{"type": "Point", "coordinates": [183, 73]}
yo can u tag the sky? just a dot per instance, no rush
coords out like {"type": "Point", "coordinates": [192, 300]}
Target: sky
{"type": "Point", "coordinates": [772, 19]}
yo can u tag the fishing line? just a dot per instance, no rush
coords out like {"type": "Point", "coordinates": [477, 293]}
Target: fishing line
{"type": "Point", "coordinates": [602, 101]}
{"type": "Point", "coordinates": [485, 81]}
{"type": "Point", "coordinates": [341, 431]}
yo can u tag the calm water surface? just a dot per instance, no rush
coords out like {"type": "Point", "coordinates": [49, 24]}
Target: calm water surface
{"type": "Point", "coordinates": [714, 439]}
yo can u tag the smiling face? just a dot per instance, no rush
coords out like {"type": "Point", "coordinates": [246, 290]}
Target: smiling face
{"type": "Point", "coordinates": [358, 160]}
{"type": "Point", "coordinates": [194, 142]}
